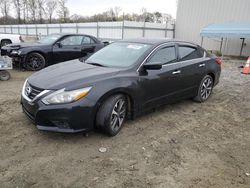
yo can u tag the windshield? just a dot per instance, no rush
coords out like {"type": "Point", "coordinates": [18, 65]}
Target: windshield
{"type": "Point", "coordinates": [49, 39]}
{"type": "Point", "coordinates": [119, 54]}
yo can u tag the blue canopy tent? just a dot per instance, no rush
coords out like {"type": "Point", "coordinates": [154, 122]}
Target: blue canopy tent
{"type": "Point", "coordinates": [227, 30]}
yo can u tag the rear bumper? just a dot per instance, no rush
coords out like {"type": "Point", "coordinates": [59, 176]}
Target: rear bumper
{"type": "Point", "coordinates": [67, 118]}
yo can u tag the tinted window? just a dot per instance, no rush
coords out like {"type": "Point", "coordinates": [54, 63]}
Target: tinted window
{"type": "Point", "coordinates": [87, 40]}
{"type": "Point", "coordinates": [72, 40]}
{"type": "Point", "coordinates": [164, 55]}
{"type": "Point", "coordinates": [188, 52]}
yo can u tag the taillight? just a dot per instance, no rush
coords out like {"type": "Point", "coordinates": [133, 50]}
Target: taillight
{"type": "Point", "coordinates": [218, 60]}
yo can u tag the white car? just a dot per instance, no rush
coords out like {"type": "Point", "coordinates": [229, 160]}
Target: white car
{"type": "Point", "coordinates": [6, 39]}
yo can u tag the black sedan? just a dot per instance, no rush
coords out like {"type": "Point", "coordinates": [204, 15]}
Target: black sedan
{"type": "Point", "coordinates": [119, 81]}
{"type": "Point", "coordinates": [52, 49]}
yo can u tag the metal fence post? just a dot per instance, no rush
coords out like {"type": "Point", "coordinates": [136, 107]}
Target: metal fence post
{"type": "Point", "coordinates": [97, 30]}
{"type": "Point", "coordinates": [18, 29]}
{"type": "Point", "coordinates": [36, 30]}
{"type": "Point", "coordinates": [173, 30]}
{"type": "Point", "coordinates": [60, 28]}
{"type": "Point", "coordinates": [4, 28]}
{"type": "Point", "coordinates": [27, 32]}
{"type": "Point", "coordinates": [143, 29]}
{"type": "Point", "coordinates": [76, 28]}
{"type": "Point", "coordinates": [166, 31]}
{"type": "Point", "coordinates": [123, 29]}
{"type": "Point", "coordinates": [47, 29]}
{"type": "Point", "coordinates": [11, 29]}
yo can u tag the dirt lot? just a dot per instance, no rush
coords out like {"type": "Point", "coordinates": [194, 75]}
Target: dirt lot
{"type": "Point", "coordinates": [187, 144]}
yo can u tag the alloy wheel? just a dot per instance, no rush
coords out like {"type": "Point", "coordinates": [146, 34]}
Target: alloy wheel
{"type": "Point", "coordinates": [206, 88]}
{"type": "Point", "coordinates": [118, 114]}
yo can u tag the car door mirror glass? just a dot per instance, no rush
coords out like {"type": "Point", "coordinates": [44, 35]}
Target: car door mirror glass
{"type": "Point", "coordinates": [153, 66]}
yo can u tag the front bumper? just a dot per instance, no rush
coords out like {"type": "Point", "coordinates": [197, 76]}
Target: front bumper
{"type": "Point", "coordinates": [68, 118]}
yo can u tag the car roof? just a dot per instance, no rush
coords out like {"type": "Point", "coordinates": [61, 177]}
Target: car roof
{"type": "Point", "coordinates": [65, 34]}
{"type": "Point", "coordinates": [155, 41]}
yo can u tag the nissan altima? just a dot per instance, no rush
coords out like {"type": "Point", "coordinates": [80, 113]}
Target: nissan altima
{"type": "Point", "coordinates": [119, 82]}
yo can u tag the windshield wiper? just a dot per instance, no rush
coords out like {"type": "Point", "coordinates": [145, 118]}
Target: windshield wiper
{"type": "Point", "coordinates": [97, 64]}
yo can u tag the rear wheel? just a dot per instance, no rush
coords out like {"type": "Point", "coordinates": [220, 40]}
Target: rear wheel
{"type": "Point", "coordinates": [112, 114]}
{"type": "Point", "coordinates": [35, 61]}
{"type": "Point", "coordinates": [4, 75]}
{"type": "Point", "coordinates": [205, 89]}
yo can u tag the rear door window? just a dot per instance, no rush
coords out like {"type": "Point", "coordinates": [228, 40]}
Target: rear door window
{"type": "Point", "coordinates": [188, 53]}
{"type": "Point", "coordinates": [72, 40]}
{"type": "Point", "coordinates": [87, 40]}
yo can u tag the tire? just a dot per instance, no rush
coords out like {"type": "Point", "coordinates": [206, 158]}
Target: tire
{"type": "Point", "coordinates": [205, 89]}
{"type": "Point", "coordinates": [4, 75]}
{"type": "Point", "coordinates": [112, 114]}
{"type": "Point", "coordinates": [5, 42]}
{"type": "Point", "coordinates": [35, 61]}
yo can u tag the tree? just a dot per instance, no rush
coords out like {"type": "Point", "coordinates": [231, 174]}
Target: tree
{"type": "Point", "coordinates": [32, 5]}
{"type": "Point", "coordinates": [24, 10]}
{"type": "Point", "coordinates": [50, 8]}
{"type": "Point", "coordinates": [117, 11]}
{"type": "Point", "coordinates": [63, 11]}
{"type": "Point", "coordinates": [5, 8]}
{"type": "Point", "coordinates": [17, 5]}
{"type": "Point", "coordinates": [41, 9]}
{"type": "Point", "coordinates": [157, 15]}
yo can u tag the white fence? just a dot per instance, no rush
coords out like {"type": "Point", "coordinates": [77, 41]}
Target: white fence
{"type": "Point", "coordinates": [103, 30]}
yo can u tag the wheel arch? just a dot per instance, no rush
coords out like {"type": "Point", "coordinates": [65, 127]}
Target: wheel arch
{"type": "Point", "coordinates": [212, 75]}
{"type": "Point", "coordinates": [39, 52]}
{"type": "Point", "coordinates": [123, 91]}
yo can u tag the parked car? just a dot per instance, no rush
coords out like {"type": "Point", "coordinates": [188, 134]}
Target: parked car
{"type": "Point", "coordinates": [52, 49]}
{"type": "Point", "coordinates": [120, 81]}
{"type": "Point", "coordinates": [6, 39]}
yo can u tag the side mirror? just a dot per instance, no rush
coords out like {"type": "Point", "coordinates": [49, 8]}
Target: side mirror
{"type": "Point", "coordinates": [59, 44]}
{"type": "Point", "coordinates": [153, 66]}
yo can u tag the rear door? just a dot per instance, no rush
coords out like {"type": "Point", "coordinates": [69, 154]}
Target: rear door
{"type": "Point", "coordinates": [89, 46]}
{"type": "Point", "coordinates": [192, 66]}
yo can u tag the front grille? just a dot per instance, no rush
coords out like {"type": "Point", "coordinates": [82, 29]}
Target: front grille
{"type": "Point", "coordinates": [31, 91]}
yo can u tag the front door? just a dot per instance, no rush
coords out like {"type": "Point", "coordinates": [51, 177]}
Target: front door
{"type": "Point", "coordinates": [159, 86]}
{"type": "Point", "coordinates": [70, 47]}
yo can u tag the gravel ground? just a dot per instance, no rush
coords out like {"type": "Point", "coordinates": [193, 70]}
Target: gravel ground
{"type": "Point", "coordinates": [186, 144]}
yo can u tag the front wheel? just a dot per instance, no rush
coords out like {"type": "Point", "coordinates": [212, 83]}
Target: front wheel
{"type": "Point", "coordinates": [35, 62]}
{"type": "Point", "coordinates": [205, 89]}
{"type": "Point", "coordinates": [112, 114]}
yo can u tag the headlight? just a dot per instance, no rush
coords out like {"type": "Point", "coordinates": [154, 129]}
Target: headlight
{"type": "Point", "coordinates": [62, 97]}
{"type": "Point", "coordinates": [16, 52]}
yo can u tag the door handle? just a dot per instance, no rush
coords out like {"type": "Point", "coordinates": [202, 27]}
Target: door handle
{"type": "Point", "coordinates": [202, 65]}
{"type": "Point", "coordinates": [176, 72]}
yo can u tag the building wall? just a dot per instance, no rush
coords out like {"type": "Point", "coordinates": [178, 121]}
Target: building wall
{"type": "Point", "coordinates": [193, 15]}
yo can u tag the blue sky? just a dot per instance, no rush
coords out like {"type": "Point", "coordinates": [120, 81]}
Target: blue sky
{"type": "Point", "coordinates": [90, 7]}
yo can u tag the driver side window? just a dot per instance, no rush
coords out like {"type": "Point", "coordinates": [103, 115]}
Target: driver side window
{"type": "Point", "coordinates": [165, 55]}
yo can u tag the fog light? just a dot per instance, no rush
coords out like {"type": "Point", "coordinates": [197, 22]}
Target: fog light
{"type": "Point", "coordinates": [61, 124]}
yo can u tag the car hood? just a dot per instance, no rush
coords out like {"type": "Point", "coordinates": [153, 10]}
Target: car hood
{"type": "Point", "coordinates": [24, 45]}
{"type": "Point", "coordinates": [70, 75]}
